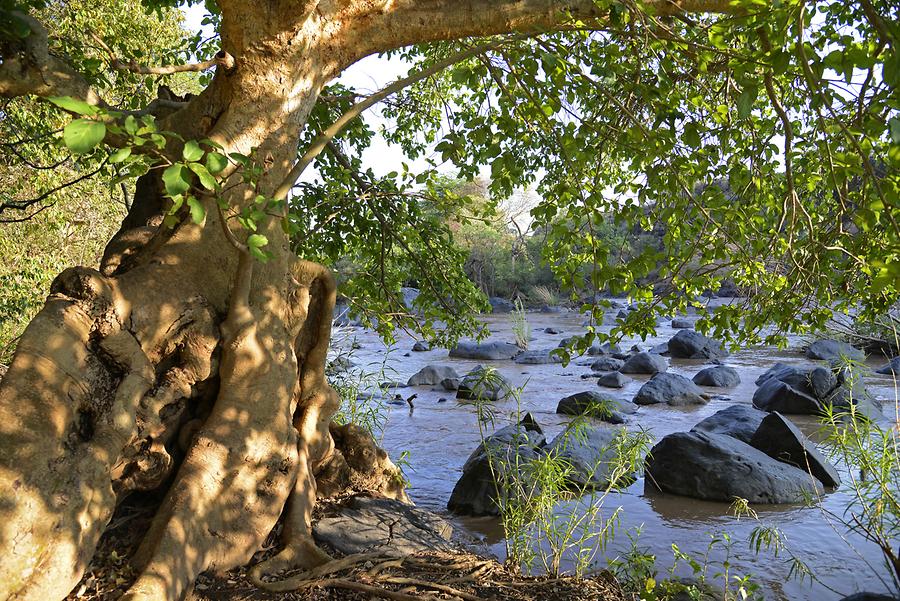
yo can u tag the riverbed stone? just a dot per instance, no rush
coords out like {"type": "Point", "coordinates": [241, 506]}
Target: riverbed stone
{"type": "Point", "coordinates": [500, 305]}
{"type": "Point", "coordinates": [483, 384]}
{"type": "Point", "coordinates": [777, 395]}
{"type": "Point", "coordinates": [591, 453]}
{"type": "Point", "coordinates": [594, 404]}
{"type": "Point", "coordinates": [717, 467]}
{"type": "Point", "coordinates": [680, 323]}
{"type": "Point", "coordinates": [366, 523]}
{"type": "Point", "coordinates": [538, 357]}
{"type": "Point", "coordinates": [833, 350]}
{"type": "Point", "coordinates": [671, 389]}
{"type": "Point", "coordinates": [737, 421]}
{"type": "Point", "coordinates": [450, 384]}
{"type": "Point", "coordinates": [720, 376]}
{"type": "Point", "coordinates": [431, 375]}
{"type": "Point", "coordinates": [421, 347]}
{"type": "Point", "coordinates": [780, 439]}
{"type": "Point", "coordinates": [644, 363]}
{"type": "Point", "coordinates": [890, 369]}
{"type": "Point", "coordinates": [613, 379]}
{"type": "Point", "coordinates": [607, 364]}
{"type": "Point", "coordinates": [688, 344]}
{"type": "Point", "coordinates": [485, 351]}
{"type": "Point", "coordinates": [475, 493]}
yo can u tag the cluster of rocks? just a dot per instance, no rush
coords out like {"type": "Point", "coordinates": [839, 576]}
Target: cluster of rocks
{"type": "Point", "coordinates": [497, 465]}
{"type": "Point", "coordinates": [481, 383]}
{"type": "Point", "coordinates": [740, 452]}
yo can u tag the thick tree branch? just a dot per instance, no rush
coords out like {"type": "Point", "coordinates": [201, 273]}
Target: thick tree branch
{"type": "Point", "coordinates": [29, 68]}
{"type": "Point", "coordinates": [321, 143]}
{"type": "Point", "coordinates": [404, 22]}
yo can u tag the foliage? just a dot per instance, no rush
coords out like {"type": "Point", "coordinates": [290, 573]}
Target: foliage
{"type": "Point", "coordinates": [520, 327]}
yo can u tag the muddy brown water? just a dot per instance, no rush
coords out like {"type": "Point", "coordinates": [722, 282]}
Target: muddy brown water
{"type": "Point", "coordinates": [440, 435]}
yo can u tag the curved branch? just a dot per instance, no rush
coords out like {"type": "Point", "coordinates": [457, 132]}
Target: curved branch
{"type": "Point", "coordinates": [221, 58]}
{"type": "Point", "coordinates": [321, 143]}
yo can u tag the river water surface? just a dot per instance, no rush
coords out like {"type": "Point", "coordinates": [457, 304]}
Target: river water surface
{"type": "Point", "coordinates": [439, 436]}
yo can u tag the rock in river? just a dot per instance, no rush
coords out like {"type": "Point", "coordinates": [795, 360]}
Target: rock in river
{"type": "Point", "coordinates": [483, 384]}
{"type": "Point", "coordinates": [594, 404]}
{"type": "Point", "coordinates": [499, 455]}
{"type": "Point", "coordinates": [539, 357]}
{"type": "Point", "coordinates": [671, 389]}
{"type": "Point", "coordinates": [591, 452]}
{"type": "Point", "coordinates": [688, 344]}
{"type": "Point", "coordinates": [485, 351]}
{"type": "Point", "coordinates": [720, 376]}
{"type": "Point", "coordinates": [780, 439]}
{"type": "Point", "coordinates": [431, 375]}
{"type": "Point", "coordinates": [719, 468]}
{"type": "Point", "coordinates": [644, 363]}
{"type": "Point", "coordinates": [613, 379]}
{"type": "Point", "coordinates": [833, 350]}
{"type": "Point", "coordinates": [738, 421]}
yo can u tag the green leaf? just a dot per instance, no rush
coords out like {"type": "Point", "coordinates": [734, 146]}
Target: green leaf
{"type": "Point", "coordinates": [691, 136]}
{"type": "Point", "coordinates": [255, 242]}
{"type": "Point", "coordinates": [82, 135]}
{"type": "Point", "coordinates": [73, 105]}
{"type": "Point", "coordinates": [176, 179]}
{"type": "Point", "coordinates": [206, 180]}
{"type": "Point", "coordinates": [894, 125]}
{"type": "Point", "coordinates": [745, 101]}
{"type": "Point", "coordinates": [198, 211]}
{"type": "Point", "coordinates": [216, 162]}
{"type": "Point", "coordinates": [120, 155]}
{"type": "Point", "coordinates": [192, 151]}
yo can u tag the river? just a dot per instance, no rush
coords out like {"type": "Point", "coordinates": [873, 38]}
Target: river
{"type": "Point", "coordinates": [438, 437]}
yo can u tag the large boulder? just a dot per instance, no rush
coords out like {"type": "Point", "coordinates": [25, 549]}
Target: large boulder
{"type": "Point", "coordinates": [777, 395]}
{"type": "Point", "coordinates": [596, 405]}
{"type": "Point", "coordinates": [738, 421]}
{"type": "Point", "coordinates": [780, 439]}
{"type": "Point", "coordinates": [613, 379]}
{"type": "Point", "coordinates": [717, 467]}
{"type": "Point", "coordinates": [591, 452]}
{"type": "Point", "coordinates": [500, 305]}
{"type": "Point", "coordinates": [833, 350]}
{"type": "Point", "coordinates": [485, 351]}
{"type": "Point", "coordinates": [671, 389]}
{"type": "Point", "coordinates": [720, 376]}
{"type": "Point", "coordinates": [644, 363]}
{"type": "Point", "coordinates": [431, 375]}
{"type": "Point", "coordinates": [539, 357]}
{"type": "Point", "coordinates": [688, 344]}
{"type": "Point", "coordinates": [483, 384]}
{"type": "Point", "coordinates": [680, 323]}
{"type": "Point", "coordinates": [607, 364]}
{"type": "Point", "coordinates": [421, 347]}
{"type": "Point", "coordinates": [499, 456]}
{"type": "Point", "coordinates": [366, 523]}
{"type": "Point", "coordinates": [890, 369]}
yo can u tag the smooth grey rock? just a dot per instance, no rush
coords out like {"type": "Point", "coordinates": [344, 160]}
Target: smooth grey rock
{"type": "Point", "coordinates": [796, 375]}
{"type": "Point", "coordinates": [780, 439]}
{"type": "Point", "coordinates": [475, 493]}
{"type": "Point", "coordinates": [431, 375]}
{"type": "Point", "coordinates": [688, 344]}
{"type": "Point", "coordinates": [550, 309]}
{"type": "Point", "coordinates": [671, 389]}
{"type": "Point", "coordinates": [365, 523]}
{"type": "Point", "coordinates": [500, 305]}
{"type": "Point", "coordinates": [890, 369]}
{"type": "Point", "coordinates": [409, 296]}
{"type": "Point", "coordinates": [644, 363]}
{"type": "Point", "coordinates": [538, 357]}
{"type": "Point", "coordinates": [679, 323]}
{"type": "Point", "coordinates": [604, 349]}
{"type": "Point", "coordinates": [450, 384]}
{"type": "Point", "coordinates": [720, 376]}
{"type": "Point", "coordinates": [607, 364]}
{"type": "Point", "coordinates": [551, 331]}
{"type": "Point", "coordinates": [483, 384]}
{"type": "Point", "coordinates": [591, 452]}
{"type": "Point", "coordinates": [660, 349]}
{"type": "Point", "coordinates": [485, 351]}
{"type": "Point", "coordinates": [866, 596]}
{"type": "Point", "coordinates": [594, 404]}
{"type": "Point", "coordinates": [833, 350]}
{"type": "Point", "coordinates": [421, 347]}
{"type": "Point", "coordinates": [613, 379]}
{"type": "Point", "coordinates": [776, 395]}
{"type": "Point", "coordinates": [717, 467]}
{"type": "Point", "coordinates": [737, 421]}
{"type": "Point", "coordinates": [821, 382]}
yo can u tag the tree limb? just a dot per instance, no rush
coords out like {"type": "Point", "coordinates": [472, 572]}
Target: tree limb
{"type": "Point", "coordinates": [221, 58]}
{"type": "Point", "coordinates": [31, 69]}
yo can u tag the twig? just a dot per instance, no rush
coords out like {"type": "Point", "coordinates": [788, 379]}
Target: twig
{"type": "Point", "coordinates": [221, 58]}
